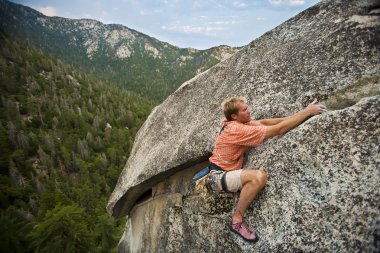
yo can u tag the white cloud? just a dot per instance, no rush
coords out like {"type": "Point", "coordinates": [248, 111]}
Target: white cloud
{"type": "Point", "coordinates": [171, 2]}
{"type": "Point", "coordinates": [239, 4]}
{"type": "Point", "coordinates": [197, 5]}
{"type": "Point", "coordinates": [275, 2]}
{"type": "Point", "coordinates": [231, 22]}
{"type": "Point", "coordinates": [200, 29]}
{"type": "Point", "coordinates": [191, 29]}
{"type": "Point", "coordinates": [48, 11]}
{"type": "Point", "coordinates": [296, 2]}
{"type": "Point", "coordinates": [87, 15]}
{"type": "Point", "coordinates": [206, 4]}
{"type": "Point", "coordinates": [149, 12]}
{"type": "Point", "coordinates": [218, 23]}
{"type": "Point", "coordinates": [287, 2]}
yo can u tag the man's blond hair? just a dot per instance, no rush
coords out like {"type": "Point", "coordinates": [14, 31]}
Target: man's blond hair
{"type": "Point", "coordinates": [230, 106]}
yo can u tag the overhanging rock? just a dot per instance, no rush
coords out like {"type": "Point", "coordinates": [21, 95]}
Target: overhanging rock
{"type": "Point", "coordinates": [324, 175]}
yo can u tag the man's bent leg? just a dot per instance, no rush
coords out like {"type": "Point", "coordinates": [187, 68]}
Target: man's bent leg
{"type": "Point", "coordinates": [253, 182]}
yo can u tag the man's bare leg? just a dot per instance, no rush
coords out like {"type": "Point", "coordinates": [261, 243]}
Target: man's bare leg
{"type": "Point", "coordinates": [253, 182]}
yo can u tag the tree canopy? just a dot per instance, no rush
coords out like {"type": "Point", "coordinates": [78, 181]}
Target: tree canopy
{"type": "Point", "coordinates": [65, 136]}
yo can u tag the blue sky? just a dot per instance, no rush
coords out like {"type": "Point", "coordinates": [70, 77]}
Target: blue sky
{"type": "Point", "coordinates": [198, 24]}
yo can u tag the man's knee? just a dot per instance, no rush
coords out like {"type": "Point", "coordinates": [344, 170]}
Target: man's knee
{"type": "Point", "coordinates": [261, 177]}
{"type": "Point", "coordinates": [255, 177]}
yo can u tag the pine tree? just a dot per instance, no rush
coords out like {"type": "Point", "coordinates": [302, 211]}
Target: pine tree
{"type": "Point", "coordinates": [105, 228]}
{"type": "Point", "coordinates": [5, 150]}
{"type": "Point", "coordinates": [63, 229]}
{"type": "Point", "coordinates": [13, 230]}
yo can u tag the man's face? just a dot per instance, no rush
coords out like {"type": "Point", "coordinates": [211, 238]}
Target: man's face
{"type": "Point", "coordinates": [244, 114]}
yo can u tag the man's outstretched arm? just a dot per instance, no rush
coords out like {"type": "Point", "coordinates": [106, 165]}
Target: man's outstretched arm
{"type": "Point", "coordinates": [266, 122]}
{"type": "Point", "coordinates": [271, 122]}
{"type": "Point", "coordinates": [293, 121]}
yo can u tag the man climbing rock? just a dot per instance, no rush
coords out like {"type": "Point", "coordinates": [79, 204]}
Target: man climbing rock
{"type": "Point", "coordinates": [239, 133]}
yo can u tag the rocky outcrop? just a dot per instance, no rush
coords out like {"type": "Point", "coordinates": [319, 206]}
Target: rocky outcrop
{"type": "Point", "coordinates": [323, 193]}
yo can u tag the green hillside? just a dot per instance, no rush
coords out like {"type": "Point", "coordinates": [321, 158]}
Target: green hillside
{"type": "Point", "coordinates": [73, 94]}
{"type": "Point", "coordinates": [64, 138]}
{"type": "Point", "coordinates": [128, 58]}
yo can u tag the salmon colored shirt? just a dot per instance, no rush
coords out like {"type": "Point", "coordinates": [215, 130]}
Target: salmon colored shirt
{"type": "Point", "coordinates": [233, 141]}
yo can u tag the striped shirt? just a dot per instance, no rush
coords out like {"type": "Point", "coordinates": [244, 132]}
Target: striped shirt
{"type": "Point", "coordinates": [233, 141]}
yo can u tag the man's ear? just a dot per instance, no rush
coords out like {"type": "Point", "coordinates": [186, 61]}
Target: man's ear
{"type": "Point", "coordinates": [234, 116]}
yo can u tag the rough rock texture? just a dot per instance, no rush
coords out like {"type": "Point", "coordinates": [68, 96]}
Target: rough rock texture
{"type": "Point", "coordinates": [323, 193]}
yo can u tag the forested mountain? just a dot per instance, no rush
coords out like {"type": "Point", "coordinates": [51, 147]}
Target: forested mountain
{"type": "Point", "coordinates": [64, 138]}
{"type": "Point", "coordinates": [73, 94]}
{"type": "Point", "coordinates": [128, 58]}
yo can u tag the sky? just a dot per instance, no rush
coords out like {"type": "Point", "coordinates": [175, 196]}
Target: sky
{"type": "Point", "coordinates": [199, 24]}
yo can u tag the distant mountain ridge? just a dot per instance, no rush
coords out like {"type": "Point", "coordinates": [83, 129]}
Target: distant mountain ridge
{"type": "Point", "coordinates": [127, 57]}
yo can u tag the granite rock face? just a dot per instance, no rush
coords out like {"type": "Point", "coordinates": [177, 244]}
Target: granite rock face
{"type": "Point", "coordinates": [323, 193]}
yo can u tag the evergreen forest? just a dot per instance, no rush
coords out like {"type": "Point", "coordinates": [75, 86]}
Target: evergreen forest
{"type": "Point", "coordinates": [65, 136]}
{"type": "Point", "coordinates": [151, 75]}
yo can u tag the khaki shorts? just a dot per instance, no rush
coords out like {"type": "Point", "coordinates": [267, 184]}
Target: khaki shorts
{"type": "Point", "coordinates": [230, 179]}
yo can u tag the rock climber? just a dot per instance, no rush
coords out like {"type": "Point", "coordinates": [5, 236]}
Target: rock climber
{"type": "Point", "coordinates": [239, 132]}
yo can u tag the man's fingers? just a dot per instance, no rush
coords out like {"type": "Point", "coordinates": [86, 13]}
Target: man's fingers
{"type": "Point", "coordinates": [322, 108]}
{"type": "Point", "coordinates": [316, 108]}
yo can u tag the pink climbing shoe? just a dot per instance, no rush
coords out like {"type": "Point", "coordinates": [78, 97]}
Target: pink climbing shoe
{"type": "Point", "coordinates": [242, 229]}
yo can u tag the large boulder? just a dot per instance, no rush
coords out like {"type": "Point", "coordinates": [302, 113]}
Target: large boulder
{"type": "Point", "coordinates": [323, 192]}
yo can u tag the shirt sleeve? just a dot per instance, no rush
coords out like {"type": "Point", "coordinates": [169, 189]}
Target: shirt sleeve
{"type": "Point", "coordinates": [248, 135]}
